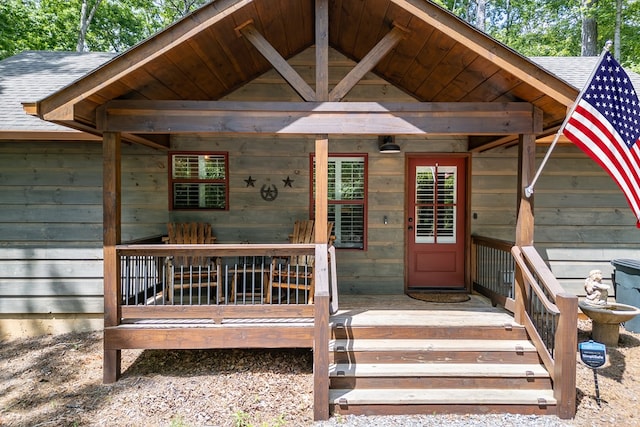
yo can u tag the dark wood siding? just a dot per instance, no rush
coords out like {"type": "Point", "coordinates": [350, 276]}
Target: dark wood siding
{"type": "Point", "coordinates": [51, 221]}
{"type": "Point", "coordinates": [582, 220]}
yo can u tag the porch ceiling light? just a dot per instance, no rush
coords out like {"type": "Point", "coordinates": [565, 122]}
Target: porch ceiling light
{"type": "Point", "coordinates": [387, 144]}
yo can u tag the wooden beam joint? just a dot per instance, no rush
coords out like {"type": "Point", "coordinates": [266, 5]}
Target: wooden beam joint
{"type": "Point", "coordinates": [262, 45]}
{"type": "Point", "coordinates": [370, 60]}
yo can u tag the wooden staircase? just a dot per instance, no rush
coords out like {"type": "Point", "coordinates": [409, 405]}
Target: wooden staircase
{"type": "Point", "coordinates": [395, 362]}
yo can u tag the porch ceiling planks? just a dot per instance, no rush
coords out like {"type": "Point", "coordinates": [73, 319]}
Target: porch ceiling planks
{"type": "Point", "coordinates": [202, 57]}
{"type": "Point", "coordinates": [55, 106]}
{"type": "Point", "coordinates": [319, 118]}
{"type": "Point", "coordinates": [486, 47]}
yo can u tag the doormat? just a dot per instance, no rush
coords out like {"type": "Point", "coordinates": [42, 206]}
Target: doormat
{"type": "Point", "coordinates": [443, 297]}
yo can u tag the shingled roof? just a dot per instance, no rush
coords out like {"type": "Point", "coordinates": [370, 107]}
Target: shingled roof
{"type": "Point", "coordinates": [33, 75]}
{"type": "Point", "coordinates": [575, 70]}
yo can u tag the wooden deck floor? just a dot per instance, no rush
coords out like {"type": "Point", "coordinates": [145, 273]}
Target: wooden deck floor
{"type": "Point", "coordinates": [384, 310]}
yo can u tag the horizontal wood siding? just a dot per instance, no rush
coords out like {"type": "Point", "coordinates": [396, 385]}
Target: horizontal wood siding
{"type": "Point", "coordinates": [271, 159]}
{"type": "Point", "coordinates": [582, 220]}
{"type": "Point", "coordinates": [51, 221]}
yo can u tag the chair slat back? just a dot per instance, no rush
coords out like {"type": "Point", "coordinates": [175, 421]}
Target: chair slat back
{"type": "Point", "coordinates": [304, 232]}
{"type": "Point", "coordinates": [191, 233]}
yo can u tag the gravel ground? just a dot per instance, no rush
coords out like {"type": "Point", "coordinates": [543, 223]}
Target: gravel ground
{"type": "Point", "coordinates": [57, 381]}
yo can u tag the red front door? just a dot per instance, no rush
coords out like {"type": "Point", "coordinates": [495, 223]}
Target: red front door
{"type": "Point", "coordinates": [435, 223]}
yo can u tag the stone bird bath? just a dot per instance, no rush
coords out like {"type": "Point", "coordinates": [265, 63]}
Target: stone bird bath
{"type": "Point", "coordinates": [606, 320]}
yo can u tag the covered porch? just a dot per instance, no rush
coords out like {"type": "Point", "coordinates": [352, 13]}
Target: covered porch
{"type": "Point", "coordinates": [518, 323]}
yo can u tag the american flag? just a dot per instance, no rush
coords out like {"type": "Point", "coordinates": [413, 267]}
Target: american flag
{"type": "Point", "coordinates": [606, 126]}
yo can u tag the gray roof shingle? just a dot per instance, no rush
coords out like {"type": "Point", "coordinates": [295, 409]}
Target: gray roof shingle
{"type": "Point", "coordinates": [575, 70]}
{"type": "Point", "coordinates": [31, 76]}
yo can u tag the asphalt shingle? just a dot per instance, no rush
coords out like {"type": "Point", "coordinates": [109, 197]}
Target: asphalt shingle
{"type": "Point", "coordinates": [31, 76]}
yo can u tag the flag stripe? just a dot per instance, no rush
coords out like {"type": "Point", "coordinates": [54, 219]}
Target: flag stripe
{"type": "Point", "coordinates": [586, 118]}
{"type": "Point", "coordinates": [605, 124]}
{"type": "Point", "coordinates": [603, 157]}
{"type": "Point", "coordinates": [593, 151]}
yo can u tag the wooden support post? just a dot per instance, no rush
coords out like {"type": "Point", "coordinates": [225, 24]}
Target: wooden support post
{"type": "Point", "coordinates": [321, 335]}
{"type": "Point", "coordinates": [566, 343]}
{"type": "Point", "coordinates": [473, 265]}
{"type": "Point", "coordinates": [321, 298]}
{"type": "Point", "coordinates": [322, 189]}
{"type": "Point", "coordinates": [322, 50]}
{"type": "Point", "coordinates": [111, 195]}
{"type": "Point", "coordinates": [525, 221]}
{"type": "Point", "coordinates": [526, 171]}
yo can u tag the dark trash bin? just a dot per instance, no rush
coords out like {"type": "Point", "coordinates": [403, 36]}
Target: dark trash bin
{"type": "Point", "coordinates": [626, 285]}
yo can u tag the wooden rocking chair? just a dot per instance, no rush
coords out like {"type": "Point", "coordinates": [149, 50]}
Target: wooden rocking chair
{"type": "Point", "coordinates": [296, 273]}
{"type": "Point", "coordinates": [192, 273]}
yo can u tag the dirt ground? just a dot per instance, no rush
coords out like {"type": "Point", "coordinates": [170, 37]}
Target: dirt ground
{"type": "Point", "coordinates": [57, 381]}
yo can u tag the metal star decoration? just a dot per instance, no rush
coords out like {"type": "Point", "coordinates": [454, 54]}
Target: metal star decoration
{"type": "Point", "coordinates": [288, 182]}
{"type": "Point", "coordinates": [250, 181]}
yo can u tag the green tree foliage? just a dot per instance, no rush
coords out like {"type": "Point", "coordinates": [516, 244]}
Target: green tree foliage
{"type": "Point", "coordinates": [553, 27]}
{"type": "Point", "coordinates": [55, 24]}
{"type": "Point", "coordinates": [531, 27]}
{"type": "Point", "coordinates": [15, 21]}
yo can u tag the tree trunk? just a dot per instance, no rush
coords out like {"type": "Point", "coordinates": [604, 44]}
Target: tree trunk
{"type": "Point", "coordinates": [85, 20]}
{"type": "Point", "coordinates": [480, 15]}
{"type": "Point", "coordinates": [616, 35]}
{"type": "Point", "coordinates": [589, 28]}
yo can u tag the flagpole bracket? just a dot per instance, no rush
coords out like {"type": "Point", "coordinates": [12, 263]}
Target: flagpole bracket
{"type": "Point", "coordinates": [528, 192]}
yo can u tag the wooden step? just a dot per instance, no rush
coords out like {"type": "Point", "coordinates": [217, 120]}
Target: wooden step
{"type": "Point", "coordinates": [509, 331]}
{"type": "Point", "coordinates": [445, 359]}
{"type": "Point", "coordinates": [439, 369]}
{"type": "Point", "coordinates": [431, 351]}
{"type": "Point", "coordinates": [430, 401]}
{"type": "Point", "coordinates": [439, 375]}
{"type": "Point", "coordinates": [518, 383]}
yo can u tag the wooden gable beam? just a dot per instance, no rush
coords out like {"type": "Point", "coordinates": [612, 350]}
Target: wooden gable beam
{"type": "Point", "coordinates": [488, 48]}
{"type": "Point", "coordinates": [370, 60]}
{"type": "Point", "coordinates": [349, 118]}
{"type": "Point", "coordinates": [249, 31]}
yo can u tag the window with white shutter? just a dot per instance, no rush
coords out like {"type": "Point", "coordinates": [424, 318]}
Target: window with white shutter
{"type": "Point", "coordinates": [347, 196]}
{"type": "Point", "coordinates": [199, 181]}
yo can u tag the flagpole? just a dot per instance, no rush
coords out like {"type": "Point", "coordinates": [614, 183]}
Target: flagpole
{"type": "Point", "coordinates": [528, 191]}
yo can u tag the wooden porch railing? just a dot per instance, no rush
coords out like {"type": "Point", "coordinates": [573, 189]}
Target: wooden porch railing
{"type": "Point", "coordinates": [538, 301]}
{"type": "Point", "coordinates": [493, 270]}
{"type": "Point", "coordinates": [141, 294]}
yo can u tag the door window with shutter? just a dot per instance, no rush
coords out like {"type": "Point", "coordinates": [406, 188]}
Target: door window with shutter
{"type": "Point", "coordinates": [199, 181]}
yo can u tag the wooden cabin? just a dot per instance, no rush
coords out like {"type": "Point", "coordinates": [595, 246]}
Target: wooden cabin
{"type": "Point", "coordinates": [406, 129]}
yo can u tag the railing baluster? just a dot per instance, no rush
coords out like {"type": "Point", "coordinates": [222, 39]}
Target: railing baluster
{"type": "Point", "coordinates": [152, 275]}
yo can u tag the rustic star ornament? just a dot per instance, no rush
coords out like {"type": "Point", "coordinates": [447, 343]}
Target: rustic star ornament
{"type": "Point", "coordinates": [250, 181]}
{"type": "Point", "coordinates": [288, 182]}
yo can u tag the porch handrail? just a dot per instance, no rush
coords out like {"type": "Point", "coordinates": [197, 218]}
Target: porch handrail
{"type": "Point", "coordinates": [550, 316]}
{"type": "Point", "coordinates": [218, 249]}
